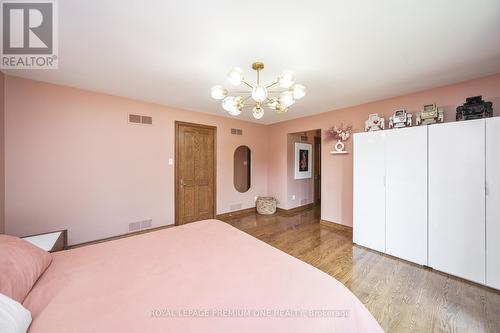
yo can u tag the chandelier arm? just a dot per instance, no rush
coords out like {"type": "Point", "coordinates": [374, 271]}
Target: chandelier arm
{"type": "Point", "coordinates": [271, 85]}
{"type": "Point", "coordinates": [248, 84]}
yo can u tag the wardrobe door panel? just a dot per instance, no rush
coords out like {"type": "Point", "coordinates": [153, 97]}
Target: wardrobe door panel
{"type": "Point", "coordinates": [369, 190]}
{"type": "Point", "coordinates": [493, 202]}
{"type": "Point", "coordinates": [457, 199]}
{"type": "Point", "coordinates": [406, 194]}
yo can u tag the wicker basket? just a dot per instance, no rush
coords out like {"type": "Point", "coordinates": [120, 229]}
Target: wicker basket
{"type": "Point", "coordinates": [266, 205]}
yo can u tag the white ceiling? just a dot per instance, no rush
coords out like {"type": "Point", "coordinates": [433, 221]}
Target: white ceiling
{"type": "Point", "coordinates": [345, 52]}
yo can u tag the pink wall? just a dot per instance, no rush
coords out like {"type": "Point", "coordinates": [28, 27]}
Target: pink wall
{"type": "Point", "coordinates": [73, 161]}
{"type": "Point", "coordinates": [336, 196]}
{"type": "Point", "coordinates": [2, 155]}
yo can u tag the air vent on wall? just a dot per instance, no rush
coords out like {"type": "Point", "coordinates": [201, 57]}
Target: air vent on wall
{"type": "Point", "coordinates": [235, 207]}
{"type": "Point", "coordinates": [146, 224]}
{"type": "Point", "coordinates": [134, 118]}
{"type": "Point", "coordinates": [138, 119]}
{"type": "Point", "coordinates": [134, 226]}
{"type": "Point", "coordinates": [139, 225]}
{"type": "Point", "coordinates": [236, 131]}
{"type": "Point", "coordinates": [147, 120]}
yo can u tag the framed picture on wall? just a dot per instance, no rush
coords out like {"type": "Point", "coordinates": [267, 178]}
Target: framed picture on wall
{"type": "Point", "coordinates": [303, 160]}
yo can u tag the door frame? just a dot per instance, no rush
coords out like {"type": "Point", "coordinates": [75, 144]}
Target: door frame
{"type": "Point", "coordinates": [317, 155]}
{"type": "Point", "coordinates": [176, 172]}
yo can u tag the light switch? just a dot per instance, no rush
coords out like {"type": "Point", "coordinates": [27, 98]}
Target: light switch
{"type": "Point", "coordinates": [170, 161]}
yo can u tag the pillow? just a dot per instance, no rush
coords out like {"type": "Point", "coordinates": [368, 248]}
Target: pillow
{"type": "Point", "coordinates": [21, 264]}
{"type": "Point", "coordinates": [14, 318]}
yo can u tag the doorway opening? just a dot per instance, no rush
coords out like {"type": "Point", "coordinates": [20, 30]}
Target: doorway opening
{"type": "Point", "coordinates": [303, 169]}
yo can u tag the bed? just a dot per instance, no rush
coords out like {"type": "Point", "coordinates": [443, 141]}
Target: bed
{"type": "Point", "coordinates": [205, 276]}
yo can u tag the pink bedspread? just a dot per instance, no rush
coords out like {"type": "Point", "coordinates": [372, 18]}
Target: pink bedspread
{"type": "Point", "coordinates": [201, 277]}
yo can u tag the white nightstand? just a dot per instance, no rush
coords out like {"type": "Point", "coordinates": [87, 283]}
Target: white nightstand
{"type": "Point", "coordinates": [50, 241]}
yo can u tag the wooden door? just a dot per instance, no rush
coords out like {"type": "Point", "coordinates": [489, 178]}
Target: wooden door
{"type": "Point", "coordinates": [194, 172]}
{"type": "Point", "coordinates": [369, 190]}
{"type": "Point", "coordinates": [406, 194]}
{"type": "Point", "coordinates": [457, 199]}
{"type": "Point", "coordinates": [317, 170]}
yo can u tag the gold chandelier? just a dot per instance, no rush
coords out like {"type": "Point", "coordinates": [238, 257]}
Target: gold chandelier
{"type": "Point", "coordinates": [259, 96]}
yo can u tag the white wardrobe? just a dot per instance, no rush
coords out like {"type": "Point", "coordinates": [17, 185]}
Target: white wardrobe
{"type": "Point", "coordinates": [457, 202]}
{"type": "Point", "coordinates": [493, 202]}
{"type": "Point", "coordinates": [390, 192]}
{"type": "Point", "coordinates": [369, 190]}
{"type": "Point", "coordinates": [431, 195]}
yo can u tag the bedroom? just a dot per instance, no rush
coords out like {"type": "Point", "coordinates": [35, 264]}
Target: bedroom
{"type": "Point", "coordinates": [94, 162]}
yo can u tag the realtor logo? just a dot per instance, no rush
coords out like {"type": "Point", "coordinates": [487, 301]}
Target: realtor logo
{"type": "Point", "coordinates": [29, 35]}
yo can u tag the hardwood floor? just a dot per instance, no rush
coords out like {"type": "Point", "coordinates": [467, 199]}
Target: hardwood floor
{"type": "Point", "coordinates": [403, 297]}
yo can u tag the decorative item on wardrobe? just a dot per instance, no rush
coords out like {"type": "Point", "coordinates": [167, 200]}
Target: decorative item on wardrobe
{"type": "Point", "coordinates": [474, 108]}
{"type": "Point", "coordinates": [341, 134]}
{"type": "Point", "coordinates": [430, 114]}
{"type": "Point", "coordinates": [374, 123]}
{"type": "Point", "coordinates": [400, 119]}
